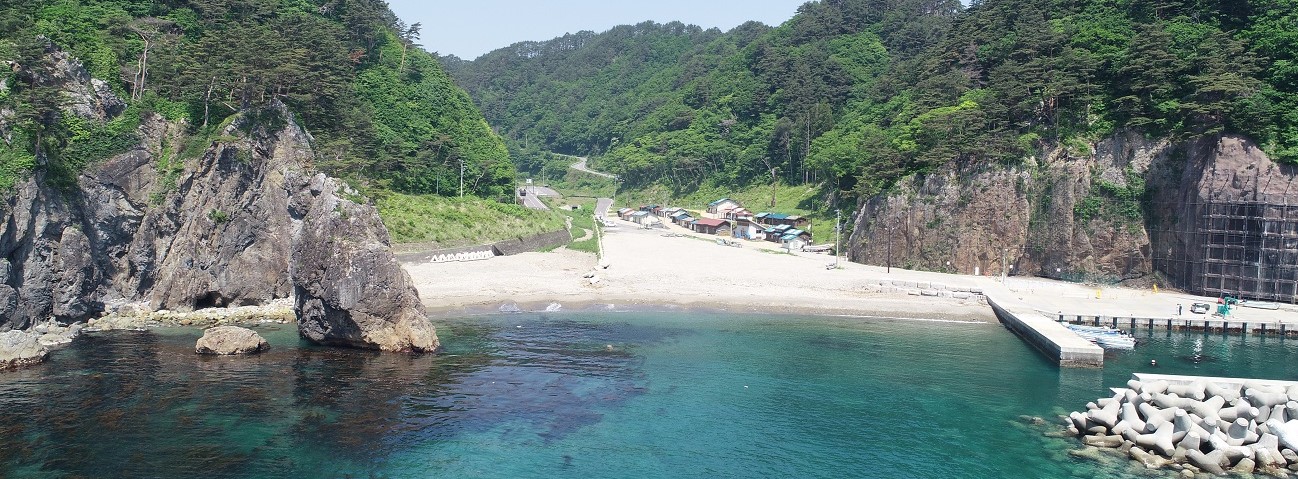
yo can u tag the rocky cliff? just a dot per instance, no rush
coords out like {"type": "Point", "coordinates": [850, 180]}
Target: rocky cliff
{"type": "Point", "coordinates": [1123, 209]}
{"type": "Point", "coordinates": [219, 229]}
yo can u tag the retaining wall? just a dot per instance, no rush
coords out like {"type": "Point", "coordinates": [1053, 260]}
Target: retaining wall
{"type": "Point", "coordinates": [509, 247]}
{"type": "Point", "coordinates": [553, 239]}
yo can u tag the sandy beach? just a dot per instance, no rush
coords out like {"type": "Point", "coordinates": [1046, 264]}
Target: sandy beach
{"type": "Point", "coordinates": [647, 270]}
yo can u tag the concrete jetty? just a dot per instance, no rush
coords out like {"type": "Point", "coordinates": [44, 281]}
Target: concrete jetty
{"type": "Point", "coordinates": [1051, 338]}
{"type": "Point", "coordinates": [1273, 327]}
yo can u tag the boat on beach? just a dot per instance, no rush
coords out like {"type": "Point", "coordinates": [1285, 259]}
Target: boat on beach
{"type": "Point", "coordinates": [1259, 305]}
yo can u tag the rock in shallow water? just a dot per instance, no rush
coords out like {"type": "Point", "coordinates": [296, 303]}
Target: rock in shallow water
{"type": "Point", "coordinates": [226, 340]}
{"type": "Point", "coordinates": [349, 288]}
{"type": "Point", "coordinates": [21, 348]}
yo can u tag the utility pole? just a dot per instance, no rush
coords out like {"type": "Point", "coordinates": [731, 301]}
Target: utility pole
{"type": "Point", "coordinates": [838, 236]}
{"type": "Point", "coordinates": [461, 177]}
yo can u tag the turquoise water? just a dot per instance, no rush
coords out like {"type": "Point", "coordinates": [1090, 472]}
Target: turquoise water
{"type": "Point", "coordinates": [586, 395]}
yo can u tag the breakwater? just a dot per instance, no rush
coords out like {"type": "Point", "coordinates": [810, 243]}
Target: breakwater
{"type": "Point", "coordinates": [1201, 424]}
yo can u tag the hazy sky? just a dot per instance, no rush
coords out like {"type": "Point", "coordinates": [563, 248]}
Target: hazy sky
{"type": "Point", "coordinates": [471, 28]}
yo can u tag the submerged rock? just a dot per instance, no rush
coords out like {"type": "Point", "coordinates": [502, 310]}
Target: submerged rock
{"type": "Point", "coordinates": [230, 340]}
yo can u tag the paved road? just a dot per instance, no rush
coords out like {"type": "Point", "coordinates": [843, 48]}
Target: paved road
{"type": "Point", "coordinates": [601, 207]}
{"type": "Point", "coordinates": [542, 191]}
{"type": "Point", "coordinates": [580, 165]}
{"type": "Point", "coordinates": [533, 197]}
{"type": "Point", "coordinates": [534, 201]}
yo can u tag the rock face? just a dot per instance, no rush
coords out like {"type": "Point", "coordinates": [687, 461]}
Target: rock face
{"type": "Point", "coordinates": [214, 230]}
{"type": "Point", "coordinates": [1115, 212]}
{"type": "Point", "coordinates": [227, 340]}
{"type": "Point", "coordinates": [349, 288]}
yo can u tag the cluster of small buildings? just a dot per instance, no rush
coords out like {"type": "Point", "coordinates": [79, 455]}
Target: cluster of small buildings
{"type": "Point", "coordinates": [727, 217]}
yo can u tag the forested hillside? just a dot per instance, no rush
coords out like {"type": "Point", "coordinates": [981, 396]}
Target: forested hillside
{"type": "Point", "coordinates": [381, 110]}
{"type": "Point", "coordinates": [856, 94]}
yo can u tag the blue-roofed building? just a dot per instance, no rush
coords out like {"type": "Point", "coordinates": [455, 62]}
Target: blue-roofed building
{"type": "Point", "coordinates": [768, 218]}
{"type": "Point", "coordinates": [795, 239]}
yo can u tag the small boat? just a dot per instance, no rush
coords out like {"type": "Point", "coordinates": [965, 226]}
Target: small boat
{"type": "Point", "coordinates": [1259, 305]}
{"type": "Point", "coordinates": [1107, 338]}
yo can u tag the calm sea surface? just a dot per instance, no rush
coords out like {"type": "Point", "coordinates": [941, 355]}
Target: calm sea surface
{"type": "Point", "coordinates": [585, 395]}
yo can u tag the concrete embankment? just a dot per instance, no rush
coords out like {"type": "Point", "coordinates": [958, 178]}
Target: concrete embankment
{"type": "Point", "coordinates": [1051, 338]}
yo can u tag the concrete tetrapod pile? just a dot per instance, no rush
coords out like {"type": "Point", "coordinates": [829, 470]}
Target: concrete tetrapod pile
{"type": "Point", "coordinates": [1207, 425]}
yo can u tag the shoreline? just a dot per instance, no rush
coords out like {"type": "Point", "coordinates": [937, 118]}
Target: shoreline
{"type": "Point", "coordinates": [981, 314]}
{"type": "Point", "coordinates": [647, 270]}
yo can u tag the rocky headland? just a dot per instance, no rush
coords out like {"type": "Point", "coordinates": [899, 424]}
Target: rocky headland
{"type": "Point", "coordinates": [170, 234]}
{"type": "Point", "coordinates": [1119, 209]}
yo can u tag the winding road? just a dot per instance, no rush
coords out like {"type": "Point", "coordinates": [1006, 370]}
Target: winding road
{"type": "Point", "coordinates": [580, 165]}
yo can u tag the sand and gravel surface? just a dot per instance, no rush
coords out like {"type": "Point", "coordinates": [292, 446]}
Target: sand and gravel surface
{"type": "Point", "coordinates": [647, 270]}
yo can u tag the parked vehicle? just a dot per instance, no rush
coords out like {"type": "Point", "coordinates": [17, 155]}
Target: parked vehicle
{"type": "Point", "coordinates": [1200, 308]}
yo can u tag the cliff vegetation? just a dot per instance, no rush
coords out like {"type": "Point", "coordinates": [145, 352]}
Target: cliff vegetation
{"type": "Point", "coordinates": [381, 111]}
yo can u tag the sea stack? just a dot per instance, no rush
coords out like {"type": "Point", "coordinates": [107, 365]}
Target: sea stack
{"type": "Point", "coordinates": [349, 288]}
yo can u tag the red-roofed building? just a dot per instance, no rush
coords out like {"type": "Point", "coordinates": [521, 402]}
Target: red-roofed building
{"type": "Point", "coordinates": [711, 226]}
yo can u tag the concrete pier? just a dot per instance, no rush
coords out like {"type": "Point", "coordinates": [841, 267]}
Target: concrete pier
{"type": "Point", "coordinates": [1195, 322]}
{"type": "Point", "coordinates": [1051, 338]}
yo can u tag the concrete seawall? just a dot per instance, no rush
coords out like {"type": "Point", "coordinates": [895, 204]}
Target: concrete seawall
{"type": "Point", "coordinates": [553, 239]}
{"type": "Point", "coordinates": [1051, 338]}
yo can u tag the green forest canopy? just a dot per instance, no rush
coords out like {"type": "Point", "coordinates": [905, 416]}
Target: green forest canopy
{"type": "Point", "coordinates": [382, 111]}
{"type": "Point", "coordinates": [856, 94]}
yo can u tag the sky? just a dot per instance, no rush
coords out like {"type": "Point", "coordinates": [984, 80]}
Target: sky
{"type": "Point", "coordinates": [470, 28]}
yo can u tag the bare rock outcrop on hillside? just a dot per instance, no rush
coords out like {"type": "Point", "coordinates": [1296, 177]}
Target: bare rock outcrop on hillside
{"type": "Point", "coordinates": [217, 230]}
{"type": "Point", "coordinates": [1121, 211]}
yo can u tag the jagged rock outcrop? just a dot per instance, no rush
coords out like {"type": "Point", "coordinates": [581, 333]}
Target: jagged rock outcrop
{"type": "Point", "coordinates": [230, 340]}
{"type": "Point", "coordinates": [349, 288]}
{"type": "Point", "coordinates": [220, 229]}
{"type": "Point", "coordinates": [1121, 211]}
